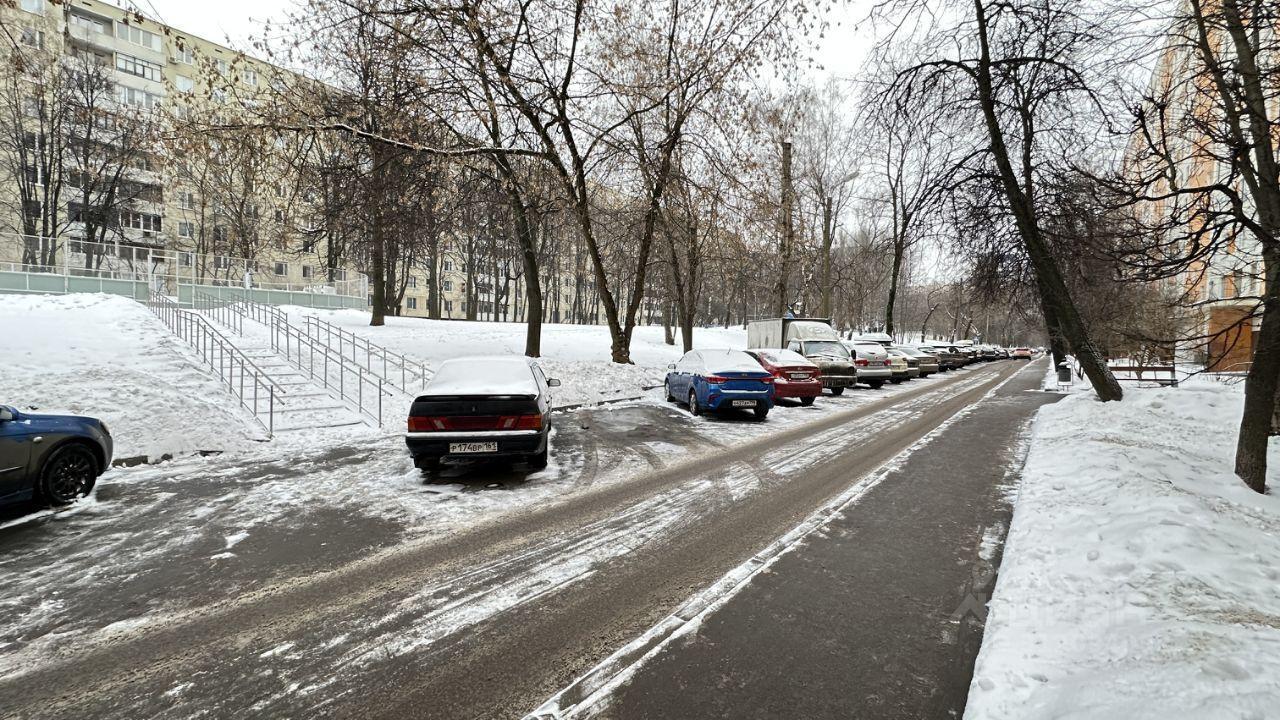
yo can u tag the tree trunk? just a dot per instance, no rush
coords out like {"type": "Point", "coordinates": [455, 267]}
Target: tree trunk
{"type": "Point", "coordinates": [828, 237]}
{"type": "Point", "coordinates": [899, 248]}
{"type": "Point", "coordinates": [788, 230]}
{"type": "Point", "coordinates": [1260, 386]}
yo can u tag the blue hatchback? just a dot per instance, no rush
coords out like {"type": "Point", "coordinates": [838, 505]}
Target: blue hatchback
{"type": "Point", "coordinates": [53, 459]}
{"type": "Point", "coordinates": [720, 380]}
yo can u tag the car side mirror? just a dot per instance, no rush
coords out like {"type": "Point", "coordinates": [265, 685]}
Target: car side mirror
{"type": "Point", "coordinates": [6, 414]}
{"type": "Point", "coordinates": [553, 382]}
{"type": "Point", "coordinates": [672, 366]}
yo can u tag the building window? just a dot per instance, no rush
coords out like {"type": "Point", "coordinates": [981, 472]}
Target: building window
{"type": "Point", "coordinates": [139, 221]}
{"type": "Point", "coordinates": [448, 285]}
{"type": "Point", "coordinates": [413, 281]}
{"type": "Point", "coordinates": [186, 200]}
{"type": "Point", "coordinates": [282, 268]}
{"type": "Point", "coordinates": [137, 66]}
{"type": "Point", "coordinates": [218, 95]}
{"type": "Point", "coordinates": [306, 272]}
{"type": "Point", "coordinates": [186, 259]}
{"type": "Point", "coordinates": [340, 275]}
{"type": "Point", "coordinates": [221, 262]}
{"type": "Point", "coordinates": [93, 25]}
{"type": "Point", "coordinates": [186, 229]}
{"type": "Point", "coordinates": [138, 36]}
{"type": "Point", "coordinates": [413, 303]}
{"type": "Point", "coordinates": [137, 98]}
{"type": "Point", "coordinates": [182, 53]}
{"type": "Point", "coordinates": [33, 6]}
{"type": "Point", "coordinates": [448, 306]}
{"type": "Point", "coordinates": [184, 83]}
{"type": "Point", "coordinates": [32, 37]}
{"type": "Point", "coordinates": [249, 76]}
{"type": "Point", "coordinates": [448, 265]}
{"type": "Point", "coordinates": [221, 65]}
{"type": "Point", "coordinates": [279, 215]}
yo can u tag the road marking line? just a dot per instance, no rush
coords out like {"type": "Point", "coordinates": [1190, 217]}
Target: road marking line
{"type": "Point", "coordinates": [583, 697]}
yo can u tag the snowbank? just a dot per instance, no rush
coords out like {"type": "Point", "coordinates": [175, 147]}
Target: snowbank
{"type": "Point", "coordinates": [1140, 575]}
{"type": "Point", "coordinates": [109, 357]}
{"type": "Point", "coordinates": [578, 355]}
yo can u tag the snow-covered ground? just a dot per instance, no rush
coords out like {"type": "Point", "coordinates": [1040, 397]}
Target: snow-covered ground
{"type": "Point", "coordinates": [578, 355]}
{"type": "Point", "coordinates": [109, 357]}
{"type": "Point", "coordinates": [1140, 575]}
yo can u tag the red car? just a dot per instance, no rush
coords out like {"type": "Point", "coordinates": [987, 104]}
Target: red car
{"type": "Point", "coordinates": [794, 375]}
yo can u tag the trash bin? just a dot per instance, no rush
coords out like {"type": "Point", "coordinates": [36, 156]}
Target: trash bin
{"type": "Point", "coordinates": [1064, 374]}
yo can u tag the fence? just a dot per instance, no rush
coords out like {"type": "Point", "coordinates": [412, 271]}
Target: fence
{"type": "Point", "coordinates": [413, 375]}
{"type": "Point", "coordinates": [220, 310]}
{"type": "Point", "coordinates": [325, 365]}
{"type": "Point", "coordinates": [255, 390]}
{"type": "Point", "coordinates": [172, 272]}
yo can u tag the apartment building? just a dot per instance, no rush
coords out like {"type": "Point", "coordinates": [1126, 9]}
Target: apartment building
{"type": "Point", "coordinates": [1222, 289]}
{"type": "Point", "coordinates": [185, 215]}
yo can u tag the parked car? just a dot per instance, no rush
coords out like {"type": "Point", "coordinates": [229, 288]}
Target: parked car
{"type": "Point", "coordinates": [904, 366]}
{"type": "Point", "coordinates": [813, 338]}
{"type": "Point", "coordinates": [926, 362]}
{"type": "Point", "coordinates": [52, 459]}
{"type": "Point", "coordinates": [720, 380]}
{"type": "Point", "coordinates": [482, 407]}
{"type": "Point", "coordinates": [794, 376]}
{"type": "Point", "coordinates": [1022, 353]}
{"type": "Point", "coordinates": [883, 338]}
{"type": "Point", "coordinates": [872, 361]}
{"type": "Point", "coordinates": [948, 357]}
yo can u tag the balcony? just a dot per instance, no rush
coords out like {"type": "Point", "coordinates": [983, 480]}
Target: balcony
{"type": "Point", "coordinates": [90, 37]}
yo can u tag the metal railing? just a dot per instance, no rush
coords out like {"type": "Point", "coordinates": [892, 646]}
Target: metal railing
{"type": "Point", "coordinates": [255, 390]}
{"type": "Point", "coordinates": [351, 382]}
{"type": "Point", "coordinates": [389, 365]}
{"type": "Point", "coordinates": [268, 315]}
{"type": "Point", "coordinates": [220, 310]}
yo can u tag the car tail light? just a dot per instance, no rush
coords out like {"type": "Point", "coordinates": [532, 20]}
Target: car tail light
{"type": "Point", "coordinates": [886, 363]}
{"type": "Point", "coordinates": [716, 379]}
{"type": "Point", "coordinates": [527, 422]}
{"type": "Point", "coordinates": [861, 362]}
{"type": "Point", "coordinates": [474, 422]}
{"type": "Point", "coordinates": [767, 380]}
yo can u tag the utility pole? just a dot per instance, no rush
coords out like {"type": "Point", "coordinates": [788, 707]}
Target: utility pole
{"type": "Point", "coordinates": [788, 230]}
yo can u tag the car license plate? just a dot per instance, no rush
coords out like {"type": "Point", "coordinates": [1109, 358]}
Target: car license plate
{"type": "Point", "coordinates": [473, 447]}
{"type": "Point", "coordinates": [744, 403]}
{"type": "Point", "coordinates": [799, 376]}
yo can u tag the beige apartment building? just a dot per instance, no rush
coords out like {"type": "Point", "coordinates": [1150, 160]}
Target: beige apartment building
{"type": "Point", "coordinates": [180, 204]}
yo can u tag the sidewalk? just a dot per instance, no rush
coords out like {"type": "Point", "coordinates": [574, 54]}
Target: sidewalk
{"type": "Point", "coordinates": [880, 613]}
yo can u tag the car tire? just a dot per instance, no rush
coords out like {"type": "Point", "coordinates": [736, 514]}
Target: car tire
{"type": "Point", "coordinates": [538, 461]}
{"type": "Point", "coordinates": [666, 388]}
{"type": "Point", "coordinates": [897, 381]}
{"type": "Point", "coordinates": [837, 391]}
{"type": "Point", "coordinates": [761, 412]}
{"type": "Point", "coordinates": [876, 384]}
{"type": "Point", "coordinates": [69, 473]}
{"type": "Point", "coordinates": [806, 401]}
{"type": "Point", "coordinates": [693, 403]}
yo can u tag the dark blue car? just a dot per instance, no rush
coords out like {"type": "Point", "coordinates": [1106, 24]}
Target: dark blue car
{"type": "Point", "coordinates": [52, 459]}
{"type": "Point", "coordinates": [720, 380]}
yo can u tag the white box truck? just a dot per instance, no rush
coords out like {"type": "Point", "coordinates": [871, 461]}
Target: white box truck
{"type": "Point", "coordinates": [813, 338]}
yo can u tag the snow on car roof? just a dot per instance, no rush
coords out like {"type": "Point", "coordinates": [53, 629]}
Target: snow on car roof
{"type": "Point", "coordinates": [490, 375]}
{"type": "Point", "coordinates": [729, 361]}
{"type": "Point", "coordinates": [783, 357]}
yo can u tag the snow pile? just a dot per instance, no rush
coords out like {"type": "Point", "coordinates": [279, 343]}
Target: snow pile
{"type": "Point", "coordinates": [1140, 575]}
{"type": "Point", "coordinates": [108, 357]}
{"type": "Point", "coordinates": [578, 355]}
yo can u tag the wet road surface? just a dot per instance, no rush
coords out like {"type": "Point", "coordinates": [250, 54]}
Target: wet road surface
{"type": "Point", "coordinates": [358, 590]}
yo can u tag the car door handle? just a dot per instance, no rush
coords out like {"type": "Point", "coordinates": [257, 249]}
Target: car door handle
{"type": "Point", "coordinates": [37, 440]}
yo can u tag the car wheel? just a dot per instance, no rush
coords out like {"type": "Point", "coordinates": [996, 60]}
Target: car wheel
{"type": "Point", "coordinates": [539, 461]}
{"type": "Point", "coordinates": [693, 403]}
{"type": "Point", "coordinates": [806, 401]}
{"type": "Point", "coordinates": [666, 388]}
{"type": "Point", "coordinates": [876, 384]}
{"type": "Point", "coordinates": [761, 412]}
{"type": "Point", "coordinates": [68, 474]}
{"type": "Point", "coordinates": [837, 391]}
{"type": "Point", "coordinates": [896, 381]}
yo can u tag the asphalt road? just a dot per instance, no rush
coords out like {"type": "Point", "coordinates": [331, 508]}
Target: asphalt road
{"type": "Point", "coordinates": [490, 620]}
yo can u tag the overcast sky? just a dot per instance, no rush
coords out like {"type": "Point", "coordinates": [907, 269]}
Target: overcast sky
{"type": "Point", "coordinates": [237, 22]}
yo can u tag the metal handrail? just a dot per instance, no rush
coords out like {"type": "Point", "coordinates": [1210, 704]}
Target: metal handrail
{"type": "Point", "coordinates": [266, 314]}
{"type": "Point", "coordinates": [233, 367]}
{"type": "Point", "coordinates": [373, 355]}
{"type": "Point", "coordinates": [220, 310]}
{"type": "Point", "coordinates": [326, 365]}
